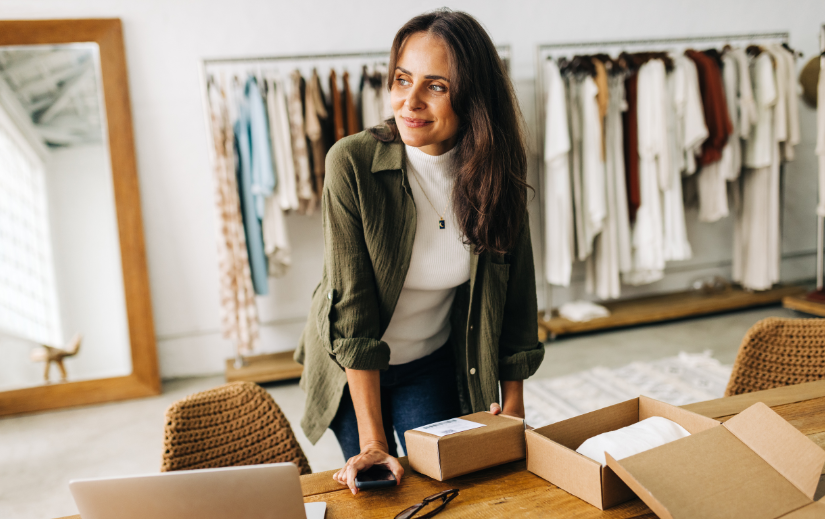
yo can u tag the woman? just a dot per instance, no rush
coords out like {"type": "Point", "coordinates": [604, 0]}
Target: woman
{"type": "Point", "coordinates": [428, 296]}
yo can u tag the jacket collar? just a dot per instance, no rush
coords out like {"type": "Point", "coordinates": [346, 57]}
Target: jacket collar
{"type": "Point", "coordinates": [389, 156]}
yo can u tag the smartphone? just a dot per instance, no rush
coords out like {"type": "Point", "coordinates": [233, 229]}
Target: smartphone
{"type": "Point", "coordinates": [376, 476]}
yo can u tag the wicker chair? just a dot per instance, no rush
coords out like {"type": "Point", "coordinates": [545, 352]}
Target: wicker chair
{"type": "Point", "coordinates": [779, 352]}
{"type": "Point", "coordinates": [231, 425]}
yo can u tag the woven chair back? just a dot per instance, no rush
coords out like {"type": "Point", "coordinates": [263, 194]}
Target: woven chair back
{"type": "Point", "coordinates": [228, 426]}
{"type": "Point", "coordinates": [779, 352]}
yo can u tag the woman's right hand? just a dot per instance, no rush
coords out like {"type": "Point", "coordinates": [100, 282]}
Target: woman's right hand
{"type": "Point", "coordinates": [373, 453]}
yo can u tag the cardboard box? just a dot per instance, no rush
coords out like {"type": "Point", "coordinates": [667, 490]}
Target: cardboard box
{"type": "Point", "coordinates": [500, 441]}
{"type": "Point", "coordinates": [755, 465]}
{"type": "Point", "coordinates": [551, 450]}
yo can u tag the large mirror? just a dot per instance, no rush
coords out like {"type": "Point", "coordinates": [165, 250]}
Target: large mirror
{"type": "Point", "coordinates": [75, 320]}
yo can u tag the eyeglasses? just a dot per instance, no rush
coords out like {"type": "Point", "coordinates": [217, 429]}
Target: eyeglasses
{"type": "Point", "coordinates": [446, 496]}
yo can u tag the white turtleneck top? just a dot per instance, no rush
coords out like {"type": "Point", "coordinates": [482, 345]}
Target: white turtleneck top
{"type": "Point", "coordinates": [440, 262]}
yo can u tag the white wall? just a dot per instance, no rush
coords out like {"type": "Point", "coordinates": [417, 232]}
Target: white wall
{"type": "Point", "coordinates": [165, 39]}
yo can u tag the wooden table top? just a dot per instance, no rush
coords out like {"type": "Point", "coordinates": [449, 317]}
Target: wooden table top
{"type": "Point", "coordinates": [511, 491]}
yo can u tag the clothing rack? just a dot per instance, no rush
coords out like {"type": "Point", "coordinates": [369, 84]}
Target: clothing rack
{"type": "Point", "coordinates": [802, 303]}
{"type": "Point", "coordinates": [646, 310]}
{"type": "Point", "coordinates": [280, 366]}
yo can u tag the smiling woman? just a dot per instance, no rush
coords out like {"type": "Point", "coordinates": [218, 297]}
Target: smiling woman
{"type": "Point", "coordinates": [427, 303]}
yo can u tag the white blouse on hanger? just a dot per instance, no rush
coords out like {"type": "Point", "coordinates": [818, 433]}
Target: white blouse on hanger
{"type": "Point", "coordinates": [654, 174]}
{"type": "Point", "coordinates": [558, 228]}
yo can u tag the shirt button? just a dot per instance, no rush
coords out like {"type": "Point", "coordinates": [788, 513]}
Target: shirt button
{"type": "Point", "coordinates": [329, 296]}
{"type": "Point", "coordinates": [471, 327]}
{"type": "Point", "coordinates": [472, 371]}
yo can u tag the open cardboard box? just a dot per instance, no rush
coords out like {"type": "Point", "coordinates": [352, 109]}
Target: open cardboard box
{"type": "Point", "coordinates": [755, 465]}
{"type": "Point", "coordinates": [500, 441]}
{"type": "Point", "coordinates": [551, 450]}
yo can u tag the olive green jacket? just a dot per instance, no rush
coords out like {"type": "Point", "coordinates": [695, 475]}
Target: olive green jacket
{"type": "Point", "coordinates": [369, 219]}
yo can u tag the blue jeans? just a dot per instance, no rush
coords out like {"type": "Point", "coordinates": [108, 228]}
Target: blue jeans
{"type": "Point", "coordinates": [414, 394]}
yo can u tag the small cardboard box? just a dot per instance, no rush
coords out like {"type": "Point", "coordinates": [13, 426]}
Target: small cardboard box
{"type": "Point", "coordinates": [501, 440]}
{"type": "Point", "coordinates": [755, 465]}
{"type": "Point", "coordinates": [551, 450]}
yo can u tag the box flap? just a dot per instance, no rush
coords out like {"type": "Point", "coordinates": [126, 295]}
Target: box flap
{"type": "Point", "coordinates": [692, 422]}
{"type": "Point", "coordinates": [814, 510]}
{"type": "Point", "coordinates": [711, 474]}
{"type": "Point", "coordinates": [776, 441]}
{"type": "Point", "coordinates": [645, 495]}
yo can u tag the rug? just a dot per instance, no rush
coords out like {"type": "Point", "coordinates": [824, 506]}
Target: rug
{"type": "Point", "coordinates": [680, 380]}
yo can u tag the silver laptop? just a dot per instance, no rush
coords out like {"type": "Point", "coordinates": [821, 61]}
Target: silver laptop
{"type": "Point", "coordinates": [251, 492]}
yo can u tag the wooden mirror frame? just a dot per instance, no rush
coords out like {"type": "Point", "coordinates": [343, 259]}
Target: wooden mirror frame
{"type": "Point", "coordinates": [145, 377]}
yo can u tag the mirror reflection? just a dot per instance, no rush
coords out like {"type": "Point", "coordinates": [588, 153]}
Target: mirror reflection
{"type": "Point", "coordinates": [62, 305]}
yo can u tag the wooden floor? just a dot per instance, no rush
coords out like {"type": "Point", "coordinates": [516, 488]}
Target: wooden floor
{"type": "Point", "coordinates": [271, 367]}
{"type": "Point", "coordinates": [801, 304]}
{"type": "Point", "coordinates": [667, 307]}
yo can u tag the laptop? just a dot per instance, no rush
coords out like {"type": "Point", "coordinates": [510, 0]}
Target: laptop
{"type": "Point", "coordinates": [251, 492]}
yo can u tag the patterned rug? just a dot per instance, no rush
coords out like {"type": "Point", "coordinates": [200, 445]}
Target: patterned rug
{"type": "Point", "coordinates": [680, 380]}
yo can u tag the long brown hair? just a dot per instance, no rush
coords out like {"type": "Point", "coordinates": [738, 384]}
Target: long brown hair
{"type": "Point", "coordinates": [490, 193]}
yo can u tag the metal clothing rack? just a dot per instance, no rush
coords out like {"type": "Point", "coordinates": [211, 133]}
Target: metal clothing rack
{"type": "Point", "coordinates": [280, 366]}
{"type": "Point", "coordinates": [613, 47]}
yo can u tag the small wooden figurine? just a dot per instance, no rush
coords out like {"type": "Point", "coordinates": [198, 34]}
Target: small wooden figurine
{"type": "Point", "coordinates": [49, 354]}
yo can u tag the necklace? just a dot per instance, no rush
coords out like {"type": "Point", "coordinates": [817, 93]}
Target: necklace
{"type": "Point", "coordinates": [441, 223]}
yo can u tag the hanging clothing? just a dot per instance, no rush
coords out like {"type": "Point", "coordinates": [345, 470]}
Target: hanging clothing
{"type": "Point", "coordinates": [338, 124]}
{"type": "Point", "coordinates": [820, 135]}
{"type": "Point", "coordinates": [756, 229]}
{"type": "Point", "coordinates": [715, 106]}
{"type": "Point", "coordinates": [592, 163]}
{"type": "Point", "coordinates": [253, 186]}
{"type": "Point", "coordinates": [281, 143]}
{"type": "Point", "coordinates": [787, 109]}
{"type": "Point", "coordinates": [676, 246]}
{"type": "Point", "coordinates": [307, 200]}
{"type": "Point", "coordinates": [654, 172]}
{"type": "Point", "coordinates": [747, 104]}
{"type": "Point", "coordinates": [731, 162]}
{"type": "Point", "coordinates": [602, 97]}
{"type": "Point", "coordinates": [575, 125]}
{"type": "Point", "coordinates": [239, 315]}
{"type": "Point", "coordinates": [276, 239]}
{"type": "Point", "coordinates": [261, 168]}
{"type": "Point", "coordinates": [713, 201]}
{"type": "Point", "coordinates": [631, 146]}
{"type": "Point", "coordinates": [558, 228]}
{"type": "Point", "coordinates": [603, 268]}
{"type": "Point", "coordinates": [351, 114]}
{"type": "Point", "coordinates": [316, 119]}
{"type": "Point", "coordinates": [375, 98]}
{"type": "Point", "coordinates": [615, 172]}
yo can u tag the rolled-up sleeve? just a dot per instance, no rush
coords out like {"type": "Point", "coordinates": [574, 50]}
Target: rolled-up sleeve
{"type": "Point", "coordinates": [520, 352]}
{"type": "Point", "coordinates": [349, 323]}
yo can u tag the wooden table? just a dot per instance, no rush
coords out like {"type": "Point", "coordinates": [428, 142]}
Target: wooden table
{"type": "Point", "coordinates": [511, 491]}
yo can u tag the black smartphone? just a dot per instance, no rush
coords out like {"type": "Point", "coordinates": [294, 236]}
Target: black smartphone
{"type": "Point", "coordinates": [376, 476]}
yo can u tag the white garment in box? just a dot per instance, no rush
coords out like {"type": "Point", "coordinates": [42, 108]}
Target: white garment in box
{"type": "Point", "coordinates": [581, 311]}
{"type": "Point", "coordinates": [633, 439]}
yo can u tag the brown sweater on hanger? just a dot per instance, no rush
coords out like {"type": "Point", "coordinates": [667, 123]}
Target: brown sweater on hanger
{"type": "Point", "coordinates": [353, 124]}
{"type": "Point", "coordinates": [715, 106]}
{"type": "Point", "coordinates": [631, 146]}
{"type": "Point", "coordinates": [337, 107]}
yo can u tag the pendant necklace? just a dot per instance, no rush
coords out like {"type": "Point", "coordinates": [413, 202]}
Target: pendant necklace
{"type": "Point", "coordinates": [441, 223]}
